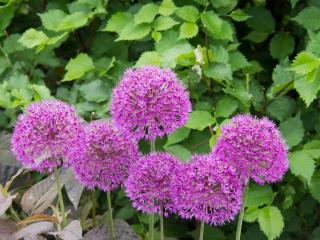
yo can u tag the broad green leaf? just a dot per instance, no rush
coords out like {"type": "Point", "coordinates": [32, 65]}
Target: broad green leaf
{"type": "Point", "coordinates": [305, 63]}
{"type": "Point", "coordinates": [219, 54]}
{"type": "Point", "coordinates": [156, 36]}
{"type": "Point", "coordinates": [73, 21]}
{"type": "Point", "coordinates": [7, 13]}
{"type": "Point", "coordinates": [292, 137]}
{"type": "Point", "coordinates": [179, 151]}
{"type": "Point", "coordinates": [95, 91]}
{"type": "Point", "coordinates": [271, 222]}
{"type": "Point", "coordinates": [238, 61]}
{"type": "Point", "coordinates": [314, 186]}
{"type": "Point", "coordinates": [294, 3]}
{"type": "Point", "coordinates": [224, 6]}
{"type": "Point", "coordinates": [218, 71]}
{"type": "Point", "coordinates": [149, 58]}
{"type": "Point", "coordinates": [226, 107]}
{"type": "Point", "coordinates": [251, 214]}
{"type": "Point", "coordinates": [146, 13]}
{"type": "Point", "coordinates": [259, 195]}
{"type": "Point", "coordinates": [11, 44]}
{"type": "Point", "coordinates": [281, 108]}
{"type": "Point", "coordinates": [256, 37]}
{"type": "Point", "coordinates": [52, 18]}
{"type": "Point", "coordinates": [200, 120]}
{"type": "Point", "coordinates": [167, 7]}
{"type": "Point", "coordinates": [163, 23]}
{"type": "Point", "coordinates": [282, 77]}
{"type": "Point", "coordinates": [177, 136]}
{"type": "Point", "coordinates": [313, 44]}
{"type": "Point", "coordinates": [302, 164]}
{"type": "Point", "coordinates": [281, 45]}
{"type": "Point", "coordinates": [239, 16]}
{"type": "Point", "coordinates": [188, 13]}
{"type": "Point", "coordinates": [33, 38]}
{"type": "Point", "coordinates": [307, 16]}
{"type": "Point", "coordinates": [4, 64]}
{"type": "Point", "coordinates": [118, 21]}
{"type": "Point", "coordinates": [77, 67]}
{"type": "Point", "coordinates": [134, 32]}
{"type": "Point", "coordinates": [57, 39]}
{"type": "Point", "coordinates": [41, 92]}
{"type": "Point", "coordinates": [188, 30]}
{"type": "Point", "coordinates": [5, 98]}
{"type": "Point", "coordinates": [306, 89]}
{"type": "Point", "coordinates": [18, 80]}
{"type": "Point", "coordinates": [313, 148]}
{"type": "Point", "coordinates": [261, 20]}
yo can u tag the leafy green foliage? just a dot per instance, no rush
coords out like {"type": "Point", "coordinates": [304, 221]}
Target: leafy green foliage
{"type": "Point", "coordinates": [271, 222]}
{"type": "Point", "coordinates": [200, 120]}
{"type": "Point", "coordinates": [77, 67]}
{"type": "Point", "coordinates": [292, 137]}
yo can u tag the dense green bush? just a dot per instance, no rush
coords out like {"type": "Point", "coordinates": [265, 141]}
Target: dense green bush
{"type": "Point", "coordinates": [257, 56]}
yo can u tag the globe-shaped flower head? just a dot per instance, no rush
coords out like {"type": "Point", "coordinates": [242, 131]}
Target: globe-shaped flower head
{"type": "Point", "coordinates": [255, 147]}
{"type": "Point", "coordinates": [107, 158]}
{"type": "Point", "coordinates": [208, 190]}
{"type": "Point", "coordinates": [149, 183]}
{"type": "Point", "coordinates": [46, 134]}
{"type": "Point", "coordinates": [150, 102]}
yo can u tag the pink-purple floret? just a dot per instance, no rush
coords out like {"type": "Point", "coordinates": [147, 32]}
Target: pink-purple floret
{"type": "Point", "coordinates": [254, 147]}
{"type": "Point", "coordinates": [150, 102]}
{"type": "Point", "coordinates": [108, 155]}
{"type": "Point", "coordinates": [48, 134]}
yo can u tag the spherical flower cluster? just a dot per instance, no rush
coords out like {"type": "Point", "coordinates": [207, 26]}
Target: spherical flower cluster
{"type": "Point", "coordinates": [149, 183]}
{"type": "Point", "coordinates": [255, 147]}
{"type": "Point", "coordinates": [150, 102]}
{"type": "Point", "coordinates": [208, 190]}
{"type": "Point", "coordinates": [108, 156]}
{"type": "Point", "coordinates": [47, 134]}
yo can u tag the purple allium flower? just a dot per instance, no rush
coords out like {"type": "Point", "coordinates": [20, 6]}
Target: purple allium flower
{"type": "Point", "coordinates": [150, 102]}
{"type": "Point", "coordinates": [208, 190]}
{"type": "Point", "coordinates": [255, 147]}
{"type": "Point", "coordinates": [108, 156]}
{"type": "Point", "coordinates": [46, 134]}
{"type": "Point", "coordinates": [149, 182]}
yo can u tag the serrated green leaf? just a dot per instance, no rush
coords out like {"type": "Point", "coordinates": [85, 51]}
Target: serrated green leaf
{"type": "Point", "coordinates": [95, 91]}
{"type": "Point", "coordinates": [163, 23]}
{"type": "Point", "coordinates": [18, 80]}
{"type": "Point", "coordinates": [256, 37]}
{"type": "Point", "coordinates": [134, 32]}
{"type": "Point", "coordinates": [33, 38]}
{"type": "Point", "coordinates": [251, 214]}
{"type": "Point", "coordinates": [239, 16]}
{"type": "Point", "coordinates": [305, 63]}
{"type": "Point", "coordinates": [219, 54]}
{"type": "Point", "coordinates": [77, 67]}
{"type": "Point", "coordinates": [146, 13]}
{"type": "Point", "coordinates": [313, 148]}
{"type": "Point", "coordinates": [281, 108]}
{"type": "Point", "coordinates": [302, 164]}
{"type": "Point", "coordinates": [118, 21]}
{"type": "Point", "coordinates": [218, 71]}
{"type": "Point", "coordinates": [7, 13]}
{"type": "Point", "coordinates": [271, 222]}
{"type": "Point", "coordinates": [73, 21]}
{"type": "Point", "coordinates": [52, 18]}
{"type": "Point", "coordinates": [292, 137]}
{"type": "Point", "coordinates": [314, 186]}
{"type": "Point", "coordinates": [200, 120]}
{"type": "Point", "coordinates": [149, 58]}
{"type": "Point", "coordinates": [188, 13]}
{"type": "Point", "coordinates": [11, 44]}
{"type": "Point", "coordinates": [179, 151]}
{"type": "Point", "coordinates": [41, 92]}
{"type": "Point", "coordinates": [307, 16]}
{"type": "Point", "coordinates": [259, 195]}
{"type": "Point", "coordinates": [226, 107]}
{"type": "Point", "coordinates": [238, 61]}
{"type": "Point", "coordinates": [188, 30]}
{"type": "Point", "coordinates": [167, 7]}
{"type": "Point", "coordinates": [281, 45]}
{"type": "Point", "coordinates": [306, 89]}
{"type": "Point", "coordinates": [261, 20]}
{"type": "Point", "coordinates": [177, 136]}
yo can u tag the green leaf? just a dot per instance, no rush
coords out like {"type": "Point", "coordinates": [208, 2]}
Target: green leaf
{"type": "Point", "coordinates": [238, 61]}
{"type": "Point", "coordinates": [77, 67]}
{"type": "Point", "coordinates": [73, 21]}
{"type": "Point", "coordinates": [256, 37]}
{"type": "Point", "coordinates": [188, 30]}
{"type": "Point", "coordinates": [305, 63]}
{"type": "Point", "coordinates": [6, 13]}
{"type": "Point", "coordinates": [52, 18]}
{"type": "Point", "coordinates": [259, 195]}
{"type": "Point", "coordinates": [200, 120]}
{"type": "Point", "coordinates": [11, 44]}
{"type": "Point", "coordinates": [167, 7]}
{"type": "Point", "coordinates": [307, 16]}
{"type": "Point", "coordinates": [306, 89]}
{"type": "Point", "coordinates": [281, 108]}
{"type": "Point", "coordinates": [18, 80]}
{"type": "Point", "coordinates": [239, 16]}
{"type": "Point", "coordinates": [293, 3]}
{"type": "Point", "coordinates": [134, 32]}
{"type": "Point", "coordinates": [218, 71]}
{"type": "Point", "coordinates": [163, 23]}
{"type": "Point", "coordinates": [146, 13]}
{"type": "Point", "coordinates": [118, 21]}
{"type": "Point", "coordinates": [226, 107]}
{"type": "Point", "coordinates": [4, 64]}
{"type": "Point", "coordinates": [41, 92]}
{"type": "Point", "coordinates": [302, 164]}
{"type": "Point", "coordinates": [281, 45]}
{"type": "Point", "coordinates": [95, 91]}
{"type": "Point", "coordinates": [251, 214]}
{"type": "Point", "coordinates": [261, 20]}
{"type": "Point", "coordinates": [314, 186]}
{"type": "Point", "coordinates": [292, 137]}
{"type": "Point", "coordinates": [149, 58]}
{"type": "Point", "coordinates": [33, 38]}
{"type": "Point", "coordinates": [188, 13]}
{"type": "Point", "coordinates": [179, 151]}
{"type": "Point", "coordinates": [313, 148]}
{"type": "Point", "coordinates": [178, 135]}
{"type": "Point", "coordinates": [271, 222]}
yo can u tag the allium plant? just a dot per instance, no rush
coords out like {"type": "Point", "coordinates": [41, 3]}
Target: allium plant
{"type": "Point", "coordinates": [208, 190]}
{"type": "Point", "coordinates": [150, 102]}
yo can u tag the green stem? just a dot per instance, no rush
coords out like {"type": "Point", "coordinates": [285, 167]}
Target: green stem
{"type": "Point", "coordinates": [63, 214]}
{"type": "Point", "coordinates": [151, 226]}
{"type": "Point", "coordinates": [248, 82]}
{"type": "Point", "coordinates": [111, 228]}
{"type": "Point", "coordinates": [201, 230]}
{"type": "Point", "coordinates": [240, 219]}
{"type": "Point", "coordinates": [14, 213]}
{"type": "Point", "coordinates": [161, 223]}
{"type": "Point", "coordinates": [152, 146]}
{"type": "Point", "coordinates": [93, 199]}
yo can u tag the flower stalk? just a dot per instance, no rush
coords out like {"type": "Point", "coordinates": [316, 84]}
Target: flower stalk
{"type": "Point", "coordinates": [201, 230]}
{"type": "Point", "coordinates": [62, 210]}
{"type": "Point", "coordinates": [110, 218]}
{"type": "Point", "coordinates": [240, 219]}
